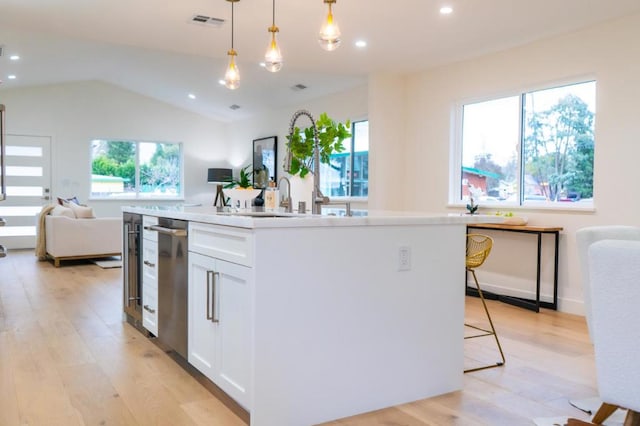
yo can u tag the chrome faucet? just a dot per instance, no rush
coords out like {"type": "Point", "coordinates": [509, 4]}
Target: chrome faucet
{"type": "Point", "coordinates": [317, 198]}
{"type": "Point", "coordinates": [286, 203]}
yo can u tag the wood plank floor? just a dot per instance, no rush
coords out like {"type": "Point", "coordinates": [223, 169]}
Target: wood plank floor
{"type": "Point", "coordinates": [66, 358]}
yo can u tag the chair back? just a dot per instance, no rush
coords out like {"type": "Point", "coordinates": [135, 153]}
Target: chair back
{"type": "Point", "coordinates": [478, 249]}
{"type": "Point", "coordinates": [587, 236]}
{"type": "Point", "coordinates": [614, 268]}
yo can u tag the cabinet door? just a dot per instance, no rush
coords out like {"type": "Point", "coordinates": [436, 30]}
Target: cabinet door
{"type": "Point", "coordinates": [202, 330]}
{"type": "Point", "coordinates": [150, 286]}
{"type": "Point", "coordinates": [234, 288]}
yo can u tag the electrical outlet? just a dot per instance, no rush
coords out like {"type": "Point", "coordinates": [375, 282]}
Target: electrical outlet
{"type": "Point", "coordinates": [404, 258]}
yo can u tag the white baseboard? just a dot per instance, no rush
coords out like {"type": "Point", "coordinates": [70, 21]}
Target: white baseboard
{"type": "Point", "coordinates": [566, 305]}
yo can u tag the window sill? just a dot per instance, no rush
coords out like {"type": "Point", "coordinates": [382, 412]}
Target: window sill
{"type": "Point", "coordinates": [557, 207]}
{"type": "Point", "coordinates": [350, 199]}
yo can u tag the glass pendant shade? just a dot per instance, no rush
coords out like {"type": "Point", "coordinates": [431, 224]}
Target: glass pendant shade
{"type": "Point", "coordinates": [232, 76]}
{"type": "Point", "coordinates": [273, 57]}
{"type": "Point", "coordinates": [329, 37]}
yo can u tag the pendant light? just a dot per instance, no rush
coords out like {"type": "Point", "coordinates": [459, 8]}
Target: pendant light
{"type": "Point", "coordinates": [232, 76]}
{"type": "Point", "coordinates": [273, 57]}
{"type": "Point", "coordinates": [329, 37]}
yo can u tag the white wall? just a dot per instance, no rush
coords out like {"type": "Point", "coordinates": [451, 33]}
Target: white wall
{"type": "Point", "coordinates": [75, 113]}
{"type": "Point", "coordinates": [387, 141]}
{"type": "Point", "coordinates": [611, 53]}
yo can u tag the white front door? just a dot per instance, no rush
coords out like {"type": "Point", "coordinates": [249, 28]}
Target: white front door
{"type": "Point", "coordinates": [28, 177]}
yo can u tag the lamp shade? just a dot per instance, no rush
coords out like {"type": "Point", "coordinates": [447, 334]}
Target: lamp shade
{"type": "Point", "coordinates": [218, 175]}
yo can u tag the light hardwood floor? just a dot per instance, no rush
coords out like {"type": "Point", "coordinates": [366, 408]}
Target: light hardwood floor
{"type": "Point", "coordinates": [66, 358]}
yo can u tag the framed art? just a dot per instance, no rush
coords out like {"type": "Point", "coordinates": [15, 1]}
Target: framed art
{"type": "Point", "coordinates": [264, 161]}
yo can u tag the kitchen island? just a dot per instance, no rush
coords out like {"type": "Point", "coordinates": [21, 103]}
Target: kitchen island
{"type": "Point", "coordinates": [304, 318]}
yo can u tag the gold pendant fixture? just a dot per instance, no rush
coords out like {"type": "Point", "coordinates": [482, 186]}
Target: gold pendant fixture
{"type": "Point", "coordinates": [273, 57]}
{"type": "Point", "coordinates": [232, 76]}
{"type": "Point", "coordinates": [329, 37]}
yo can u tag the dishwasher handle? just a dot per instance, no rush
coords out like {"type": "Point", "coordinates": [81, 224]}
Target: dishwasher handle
{"type": "Point", "coordinates": [169, 231]}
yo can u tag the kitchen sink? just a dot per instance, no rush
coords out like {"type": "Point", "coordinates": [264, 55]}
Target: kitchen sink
{"type": "Point", "coordinates": [262, 214]}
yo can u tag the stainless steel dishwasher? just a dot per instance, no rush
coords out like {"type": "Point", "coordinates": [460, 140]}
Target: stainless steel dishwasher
{"type": "Point", "coordinates": [172, 284]}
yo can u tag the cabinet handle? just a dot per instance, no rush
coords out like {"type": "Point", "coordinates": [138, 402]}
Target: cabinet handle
{"type": "Point", "coordinates": [214, 319]}
{"type": "Point", "coordinates": [146, 307]}
{"type": "Point", "coordinates": [149, 264]}
{"type": "Point", "coordinates": [209, 275]}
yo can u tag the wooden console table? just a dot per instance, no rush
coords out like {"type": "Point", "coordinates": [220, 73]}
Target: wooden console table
{"type": "Point", "coordinates": [533, 305]}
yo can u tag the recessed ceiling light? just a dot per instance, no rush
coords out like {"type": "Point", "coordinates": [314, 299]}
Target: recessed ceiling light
{"type": "Point", "coordinates": [191, 96]}
{"type": "Point", "coordinates": [262, 64]}
{"type": "Point", "coordinates": [361, 43]}
{"type": "Point", "coordinates": [446, 10]}
{"type": "Point", "coordinates": [11, 77]}
{"type": "Point", "coordinates": [14, 57]}
{"type": "Point", "coordinates": [222, 82]}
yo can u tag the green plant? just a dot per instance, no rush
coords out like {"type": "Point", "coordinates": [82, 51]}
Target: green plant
{"type": "Point", "coordinates": [331, 134]}
{"type": "Point", "coordinates": [243, 182]}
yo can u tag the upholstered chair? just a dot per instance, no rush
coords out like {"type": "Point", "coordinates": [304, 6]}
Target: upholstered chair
{"type": "Point", "coordinates": [587, 236]}
{"type": "Point", "coordinates": [614, 274]}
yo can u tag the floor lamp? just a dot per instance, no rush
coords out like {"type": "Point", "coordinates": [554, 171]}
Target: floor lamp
{"type": "Point", "coordinates": [219, 176]}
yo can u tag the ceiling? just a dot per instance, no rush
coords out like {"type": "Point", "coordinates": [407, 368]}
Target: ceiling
{"type": "Point", "coordinates": [154, 49]}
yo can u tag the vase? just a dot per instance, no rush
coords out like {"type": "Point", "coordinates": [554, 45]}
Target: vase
{"type": "Point", "coordinates": [241, 197]}
{"type": "Point", "coordinates": [301, 190]}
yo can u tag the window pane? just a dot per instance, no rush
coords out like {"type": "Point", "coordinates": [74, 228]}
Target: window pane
{"type": "Point", "coordinates": [25, 191]}
{"type": "Point", "coordinates": [159, 169]}
{"type": "Point", "coordinates": [333, 176]}
{"type": "Point", "coordinates": [17, 231]}
{"type": "Point", "coordinates": [23, 151]}
{"type": "Point", "coordinates": [360, 181]}
{"type": "Point", "coordinates": [490, 135]}
{"type": "Point", "coordinates": [559, 143]}
{"type": "Point", "coordinates": [336, 178]}
{"type": "Point", "coordinates": [113, 169]}
{"type": "Point", "coordinates": [23, 171]}
{"type": "Point", "coordinates": [19, 211]}
{"type": "Point", "coordinates": [130, 170]}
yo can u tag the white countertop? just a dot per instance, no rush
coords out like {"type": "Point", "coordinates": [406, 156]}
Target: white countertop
{"type": "Point", "coordinates": [206, 214]}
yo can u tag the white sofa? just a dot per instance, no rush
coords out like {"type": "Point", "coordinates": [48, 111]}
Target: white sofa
{"type": "Point", "coordinates": [68, 238]}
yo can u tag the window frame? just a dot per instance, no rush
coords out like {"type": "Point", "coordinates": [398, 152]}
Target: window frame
{"type": "Point", "coordinates": [137, 197]}
{"type": "Point", "coordinates": [455, 163]}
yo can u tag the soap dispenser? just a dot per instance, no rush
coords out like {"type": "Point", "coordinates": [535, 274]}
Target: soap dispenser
{"type": "Point", "coordinates": [271, 196]}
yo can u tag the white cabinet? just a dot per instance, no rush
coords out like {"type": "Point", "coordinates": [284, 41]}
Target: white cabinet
{"type": "Point", "coordinates": [220, 321]}
{"type": "Point", "coordinates": [150, 275]}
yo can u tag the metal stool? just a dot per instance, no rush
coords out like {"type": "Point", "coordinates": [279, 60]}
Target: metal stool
{"type": "Point", "coordinates": [478, 249]}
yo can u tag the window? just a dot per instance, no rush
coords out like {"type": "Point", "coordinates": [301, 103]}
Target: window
{"type": "Point", "coordinates": [131, 169]}
{"type": "Point", "coordinates": [347, 174]}
{"type": "Point", "coordinates": [535, 148]}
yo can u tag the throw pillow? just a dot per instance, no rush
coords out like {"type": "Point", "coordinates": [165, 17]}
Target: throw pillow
{"type": "Point", "coordinates": [63, 211]}
{"type": "Point", "coordinates": [81, 212]}
{"type": "Point", "coordinates": [73, 199]}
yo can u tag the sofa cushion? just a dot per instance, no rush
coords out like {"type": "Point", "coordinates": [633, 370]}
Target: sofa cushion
{"type": "Point", "coordinates": [81, 212]}
{"type": "Point", "coordinates": [59, 210]}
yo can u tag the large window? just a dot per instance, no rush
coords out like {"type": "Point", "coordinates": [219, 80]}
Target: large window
{"type": "Point", "coordinates": [347, 174]}
{"type": "Point", "coordinates": [535, 148]}
{"type": "Point", "coordinates": [132, 169]}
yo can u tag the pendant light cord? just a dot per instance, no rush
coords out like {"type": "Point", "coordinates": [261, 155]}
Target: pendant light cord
{"type": "Point", "coordinates": [232, 24]}
{"type": "Point", "coordinates": [274, 13]}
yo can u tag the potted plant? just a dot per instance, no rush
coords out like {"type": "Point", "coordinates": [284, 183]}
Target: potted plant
{"type": "Point", "coordinates": [240, 190]}
{"type": "Point", "coordinates": [244, 181]}
{"type": "Point", "coordinates": [331, 134]}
